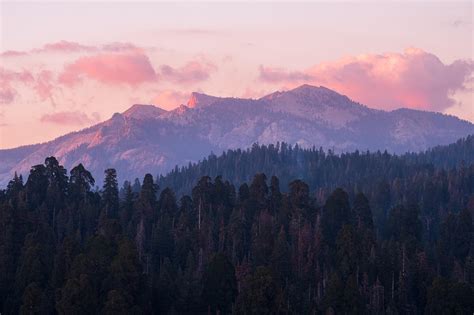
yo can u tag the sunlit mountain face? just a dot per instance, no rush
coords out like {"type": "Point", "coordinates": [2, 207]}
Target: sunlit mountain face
{"type": "Point", "coordinates": [146, 138]}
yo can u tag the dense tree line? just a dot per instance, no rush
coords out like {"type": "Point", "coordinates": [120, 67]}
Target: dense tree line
{"type": "Point", "coordinates": [397, 239]}
{"type": "Point", "coordinates": [319, 169]}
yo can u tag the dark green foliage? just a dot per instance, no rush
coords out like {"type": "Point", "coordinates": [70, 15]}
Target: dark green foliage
{"type": "Point", "coordinates": [110, 194]}
{"type": "Point", "coordinates": [396, 237]}
{"type": "Point", "coordinates": [260, 294]}
{"type": "Point", "coordinates": [448, 297]}
{"type": "Point", "coordinates": [78, 296]}
{"type": "Point", "coordinates": [362, 213]}
{"type": "Point", "coordinates": [125, 282]}
{"type": "Point", "coordinates": [463, 235]}
{"type": "Point", "coordinates": [336, 213]}
{"type": "Point", "coordinates": [319, 169]}
{"type": "Point", "coordinates": [32, 299]}
{"type": "Point", "coordinates": [404, 225]}
{"type": "Point", "coordinates": [36, 186]}
{"type": "Point", "coordinates": [81, 181]}
{"type": "Point", "coordinates": [219, 285]}
{"type": "Point", "coordinates": [148, 191]}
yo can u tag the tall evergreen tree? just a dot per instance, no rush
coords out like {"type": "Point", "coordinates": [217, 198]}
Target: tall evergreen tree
{"type": "Point", "coordinates": [110, 193]}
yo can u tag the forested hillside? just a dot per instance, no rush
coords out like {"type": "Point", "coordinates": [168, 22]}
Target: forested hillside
{"type": "Point", "coordinates": [397, 238]}
{"type": "Point", "coordinates": [319, 169]}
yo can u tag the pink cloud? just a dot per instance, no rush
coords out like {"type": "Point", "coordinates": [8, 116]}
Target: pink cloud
{"type": "Point", "coordinates": [9, 76]}
{"type": "Point", "coordinates": [192, 32]}
{"type": "Point", "coordinates": [119, 46]}
{"type": "Point", "coordinates": [110, 68]}
{"type": "Point", "coordinates": [62, 46]}
{"type": "Point", "coordinates": [13, 53]}
{"type": "Point", "coordinates": [44, 85]}
{"type": "Point", "coordinates": [276, 75]}
{"type": "Point", "coordinates": [66, 46]}
{"type": "Point", "coordinates": [193, 71]}
{"type": "Point", "coordinates": [8, 80]}
{"type": "Point", "coordinates": [7, 94]}
{"type": "Point", "coordinates": [414, 79]}
{"type": "Point", "coordinates": [169, 99]}
{"type": "Point", "coordinates": [70, 118]}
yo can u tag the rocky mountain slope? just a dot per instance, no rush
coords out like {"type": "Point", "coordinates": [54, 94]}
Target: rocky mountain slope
{"type": "Point", "coordinates": [146, 138]}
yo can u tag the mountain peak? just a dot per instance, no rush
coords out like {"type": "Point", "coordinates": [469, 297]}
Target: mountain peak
{"type": "Point", "coordinates": [146, 138]}
{"type": "Point", "coordinates": [304, 90]}
{"type": "Point", "coordinates": [142, 111]}
{"type": "Point", "coordinates": [201, 100]}
{"type": "Point", "coordinates": [307, 89]}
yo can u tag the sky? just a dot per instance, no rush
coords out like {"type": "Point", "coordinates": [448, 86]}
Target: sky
{"type": "Point", "coordinates": [65, 66]}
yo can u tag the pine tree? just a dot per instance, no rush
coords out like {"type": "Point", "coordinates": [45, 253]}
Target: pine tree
{"type": "Point", "coordinates": [80, 183]}
{"type": "Point", "coordinates": [336, 213]}
{"type": "Point", "coordinates": [110, 194]}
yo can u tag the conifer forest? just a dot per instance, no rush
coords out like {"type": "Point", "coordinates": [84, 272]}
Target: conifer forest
{"type": "Point", "coordinates": [273, 229]}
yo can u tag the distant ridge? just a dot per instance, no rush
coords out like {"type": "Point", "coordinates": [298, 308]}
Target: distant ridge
{"type": "Point", "coordinates": [318, 168]}
{"type": "Point", "coordinates": [146, 138]}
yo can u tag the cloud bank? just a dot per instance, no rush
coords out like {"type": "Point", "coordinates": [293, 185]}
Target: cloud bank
{"type": "Point", "coordinates": [8, 81]}
{"type": "Point", "coordinates": [191, 72]}
{"type": "Point", "coordinates": [414, 79]}
{"type": "Point", "coordinates": [110, 68]}
{"type": "Point", "coordinates": [169, 99]}
{"type": "Point", "coordinates": [68, 47]}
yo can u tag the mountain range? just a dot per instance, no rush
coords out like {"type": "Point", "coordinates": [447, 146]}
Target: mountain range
{"type": "Point", "coordinates": [147, 138]}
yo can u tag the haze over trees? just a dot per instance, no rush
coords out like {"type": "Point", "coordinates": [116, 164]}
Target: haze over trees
{"type": "Point", "coordinates": [321, 170]}
{"type": "Point", "coordinates": [275, 229]}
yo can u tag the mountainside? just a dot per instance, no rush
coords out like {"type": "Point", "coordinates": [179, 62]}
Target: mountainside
{"type": "Point", "coordinates": [146, 138]}
{"type": "Point", "coordinates": [317, 168]}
